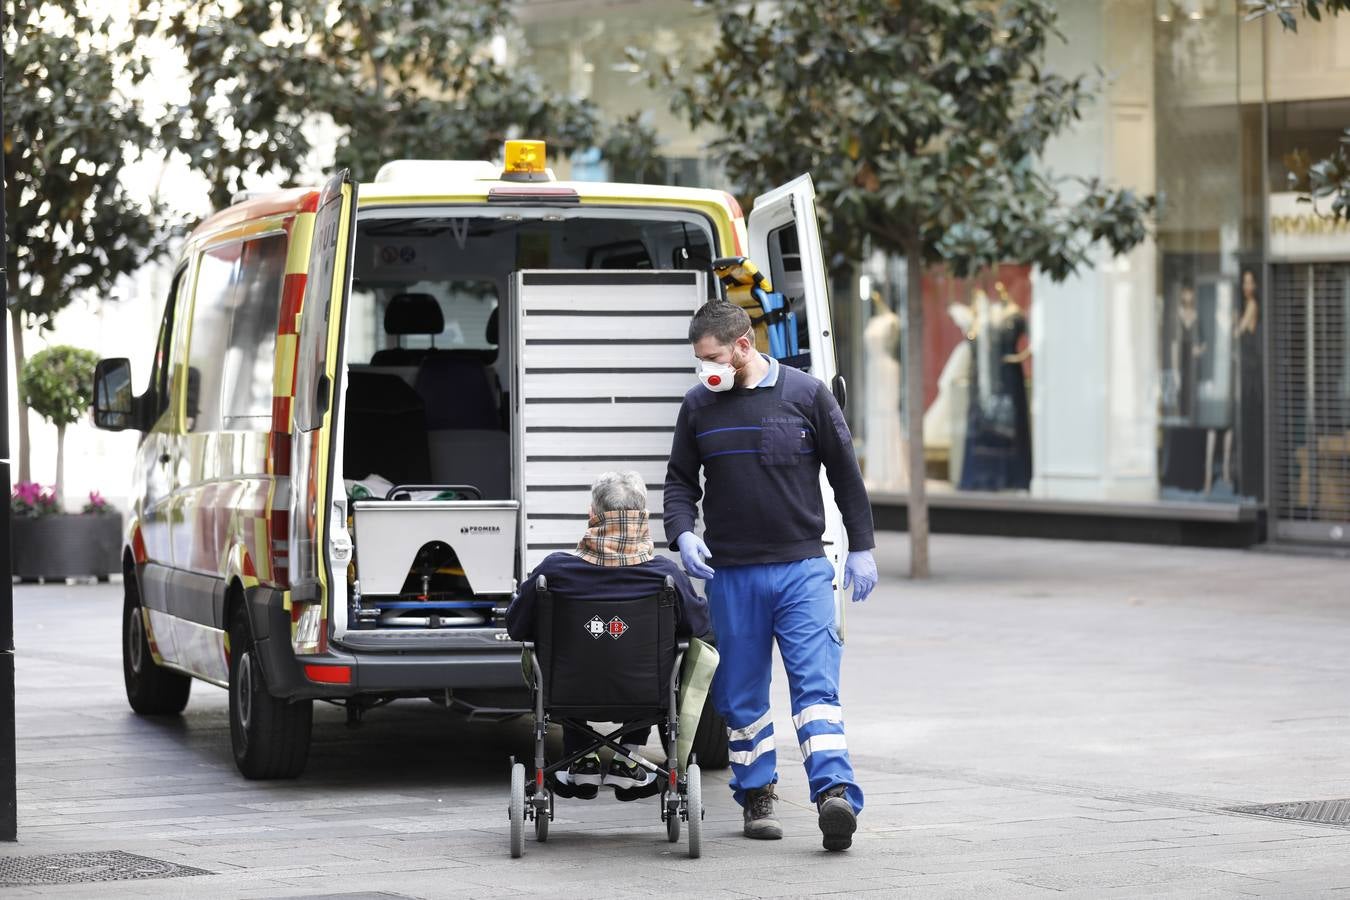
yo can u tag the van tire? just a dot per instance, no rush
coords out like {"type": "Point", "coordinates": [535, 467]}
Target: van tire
{"type": "Point", "coordinates": [710, 741]}
{"type": "Point", "coordinates": [152, 690]}
{"type": "Point", "coordinates": [269, 736]}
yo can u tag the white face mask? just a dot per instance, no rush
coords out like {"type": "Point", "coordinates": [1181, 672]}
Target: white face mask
{"type": "Point", "coordinates": [716, 376]}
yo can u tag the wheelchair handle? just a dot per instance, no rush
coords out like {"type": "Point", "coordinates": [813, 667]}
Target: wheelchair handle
{"type": "Point", "coordinates": [409, 488]}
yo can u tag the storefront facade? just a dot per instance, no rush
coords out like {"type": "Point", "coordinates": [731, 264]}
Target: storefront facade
{"type": "Point", "coordinates": [1203, 378]}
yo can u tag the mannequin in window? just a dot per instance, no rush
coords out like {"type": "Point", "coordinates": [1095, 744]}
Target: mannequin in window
{"type": "Point", "coordinates": [1185, 446]}
{"type": "Point", "coordinates": [944, 423]}
{"type": "Point", "coordinates": [887, 460]}
{"type": "Point", "coordinates": [1247, 392]}
{"type": "Point", "coordinates": [998, 433]}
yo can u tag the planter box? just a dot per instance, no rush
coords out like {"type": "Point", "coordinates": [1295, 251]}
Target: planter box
{"type": "Point", "coordinates": [66, 546]}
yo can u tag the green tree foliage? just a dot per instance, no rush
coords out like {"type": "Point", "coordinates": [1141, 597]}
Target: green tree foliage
{"type": "Point", "coordinates": [632, 149]}
{"type": "Point", "coordinates": [71, 129]}
{"type": "Point", "coordinates": [58, 384]}
{"type": "Point", "coordinates": [1326, 180]}
{"type": "Point", "coordinates": [924, 123]}
{"type": "Point", "coordinates": [411, 79]}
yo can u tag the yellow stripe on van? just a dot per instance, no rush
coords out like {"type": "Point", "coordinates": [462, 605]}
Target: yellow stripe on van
{"type": "Point", "coordinates": [284, 369]}
{"type": "Point", "coordinates": [302, 233]}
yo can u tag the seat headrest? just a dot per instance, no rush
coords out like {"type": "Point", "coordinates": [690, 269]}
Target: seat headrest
{"type": "Point", "coordinates": [413, 314]}
{"type": "Point", "coordinates": [492, 327]}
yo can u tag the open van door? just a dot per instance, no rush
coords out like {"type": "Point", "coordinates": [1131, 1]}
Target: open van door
{"type": "Point", "coordinates": [785, 239]}
{"type": "Point", "coordinates": [313, 449]}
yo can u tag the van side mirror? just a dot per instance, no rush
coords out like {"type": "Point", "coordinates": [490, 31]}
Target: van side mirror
{"type": "Point", "coordinates": [114, 400]}
{"type": "Point", "coordinates": [840, 390]}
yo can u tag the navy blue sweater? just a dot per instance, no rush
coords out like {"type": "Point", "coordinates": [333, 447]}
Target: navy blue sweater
{"type": "Point", "coordinates": [571, 576]}
{"type": "Point", "coordinates": [761, 450]}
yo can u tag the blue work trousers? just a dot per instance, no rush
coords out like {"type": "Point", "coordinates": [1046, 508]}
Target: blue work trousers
{"type": "Point", "coordinates": [793, 602]}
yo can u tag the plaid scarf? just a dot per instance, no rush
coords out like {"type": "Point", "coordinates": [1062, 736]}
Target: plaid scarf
{"type": "Point", "coordinates": [619, 537]}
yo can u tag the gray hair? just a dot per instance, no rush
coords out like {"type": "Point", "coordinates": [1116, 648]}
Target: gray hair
{"type": "Point", "coordinates": [618, 490]}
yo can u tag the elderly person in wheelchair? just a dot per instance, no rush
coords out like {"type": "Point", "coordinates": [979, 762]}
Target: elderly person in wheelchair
{"type": "Point", "coordinates": [613, 561]}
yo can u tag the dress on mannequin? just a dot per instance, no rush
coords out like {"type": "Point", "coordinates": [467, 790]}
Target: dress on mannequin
{"type": "Point", "coordinates": [1184, 442]}
{"type": "Point", "coordinates": [887, 466]}
{"type": "Point", "coordinates": [998, 434]}
{"type": "Point", "coordinates": [1247, 393]}
{"type": "Point", "coordinates": [944, 424]}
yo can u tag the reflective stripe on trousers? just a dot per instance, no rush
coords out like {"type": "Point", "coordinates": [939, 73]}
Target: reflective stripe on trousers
{"type": "Point", "coordinates": [794, 603]}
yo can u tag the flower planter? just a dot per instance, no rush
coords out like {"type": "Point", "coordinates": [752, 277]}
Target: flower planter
{"type": "Point", "coordinates": [63, 546]}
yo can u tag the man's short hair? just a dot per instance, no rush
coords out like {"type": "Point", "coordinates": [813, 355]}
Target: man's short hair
{"type": "Point", "coordinates": [721, 320]}
{"type": "Point", "coordinates": [618, 490]}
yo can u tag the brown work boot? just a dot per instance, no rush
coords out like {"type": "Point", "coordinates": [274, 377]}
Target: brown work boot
{"type": "Point", "coordinates": [760, 822]}
{"type": "Point", "coordinates": [837, 820]}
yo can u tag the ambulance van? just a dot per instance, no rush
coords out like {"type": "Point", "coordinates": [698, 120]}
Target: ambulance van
{"type": "Point", "coordinates": [374, 408]}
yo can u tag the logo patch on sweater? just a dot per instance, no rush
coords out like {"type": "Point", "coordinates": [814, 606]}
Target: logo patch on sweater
{"type": "Point", "coordinates": [595, 627]}
{"type": "Point", "coordinates": [617, 627]}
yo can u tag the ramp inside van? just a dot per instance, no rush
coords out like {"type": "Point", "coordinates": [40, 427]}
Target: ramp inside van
{"type": "Point", "coordinates": [605, 363]}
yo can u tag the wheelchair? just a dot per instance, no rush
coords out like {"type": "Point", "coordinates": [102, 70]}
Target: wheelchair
{"type": "Point", "coordinates": [605, 661]}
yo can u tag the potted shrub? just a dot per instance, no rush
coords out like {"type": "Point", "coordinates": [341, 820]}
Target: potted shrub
{"type": "Point", "coordinates": [45, 542]}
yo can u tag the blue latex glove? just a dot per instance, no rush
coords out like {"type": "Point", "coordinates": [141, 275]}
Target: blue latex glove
{"type": "Point", "coordinates": [860, 570]}
{"type": "Point", "coordinates": [693, 552]}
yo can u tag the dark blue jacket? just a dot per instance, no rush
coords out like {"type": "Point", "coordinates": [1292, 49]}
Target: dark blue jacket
{"type": "Point", "coordinates": [761, 450]}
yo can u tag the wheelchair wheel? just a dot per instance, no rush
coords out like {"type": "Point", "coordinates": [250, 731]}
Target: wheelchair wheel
{"type": "Point", "coordinates": [672, 815]}
{"type": "Point", "coordinates": [517, 810]}
{"type": "Point", "coordinates": [542, 815]}
{"type": "Point", "coordinates": [693, 798]}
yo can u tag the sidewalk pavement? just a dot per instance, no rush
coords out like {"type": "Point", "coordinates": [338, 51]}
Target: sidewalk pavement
{"type": "Point", "coordinates": [1041, 719]}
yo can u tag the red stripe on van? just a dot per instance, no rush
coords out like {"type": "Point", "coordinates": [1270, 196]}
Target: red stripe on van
{"type": "Point", "coordinates": [292, 295]}
{"type": "Point", "coordinates": [279, 453]}
{"type": "Point", "coordinates": [281, 414]}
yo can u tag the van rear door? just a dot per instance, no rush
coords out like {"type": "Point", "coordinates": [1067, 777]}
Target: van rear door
{"type": "Point", "coordinates": [785, 236]}
{"type": "Point", "coordinates": [313, 447]}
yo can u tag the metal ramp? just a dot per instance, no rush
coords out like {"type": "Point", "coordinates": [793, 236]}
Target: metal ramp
{"type": "Point", "coordinates": [604, 363]}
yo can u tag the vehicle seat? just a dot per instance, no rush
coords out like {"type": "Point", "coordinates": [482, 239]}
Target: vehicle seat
{"type": "Point", "coordinates": [386, 430]}
{"type": "Point", "coordinates": [409, 314]}
{"type": "Point", "coordinates": [457, 392]}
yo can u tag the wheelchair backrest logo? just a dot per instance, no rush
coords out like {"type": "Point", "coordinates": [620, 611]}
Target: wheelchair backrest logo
{"type": "Point", "coordinates": [598, 627]}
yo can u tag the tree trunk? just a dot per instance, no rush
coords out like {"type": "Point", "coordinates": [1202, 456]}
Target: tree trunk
{"type": "Point", "coordinates": [61, 466]}
{"type": "Point", "coordinates": [918, 497]}
{"type": "Point", "coordinates": [16, 330]}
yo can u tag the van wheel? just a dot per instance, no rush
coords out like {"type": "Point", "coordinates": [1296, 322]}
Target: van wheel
{"type": "Point", "coordinates": [710, 741]}
{"type": "Point", "coordinates": [152, 690]}
{"type": "Point", "coordinates": [269, 736]}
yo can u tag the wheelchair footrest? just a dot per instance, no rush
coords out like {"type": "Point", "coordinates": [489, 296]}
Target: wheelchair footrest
{"type": "Point", "coordinates": [572, 791]}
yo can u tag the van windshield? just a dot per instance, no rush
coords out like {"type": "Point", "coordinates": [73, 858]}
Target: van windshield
{"type": "Point", "coordinates": [435, 280]}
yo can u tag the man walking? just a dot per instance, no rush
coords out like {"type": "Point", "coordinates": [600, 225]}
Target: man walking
{"type": "Point", "coordinates": [760, 433]}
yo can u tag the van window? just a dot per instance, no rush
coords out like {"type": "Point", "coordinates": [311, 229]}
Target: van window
{"type": "Point", "coordinates": [161, 384]}
{"type": "Point", "coordinates": [785, 273]}
{"type": "Point", "coordinates": [249, 359]}
{"type": "Point", "coordinates": [465, 262]}
{"type": "Point", "coordinates": [233, 335]}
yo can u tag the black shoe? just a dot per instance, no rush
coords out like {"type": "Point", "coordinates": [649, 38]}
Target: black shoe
{"type": "Point", "coordinates": [625, 774]}
{"type": "Point", "coordinates": [837, 819]}
{"type": "Point", "coordinates": [760, 822]}
{"type": "Point", "coordinates": [585, 771]}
